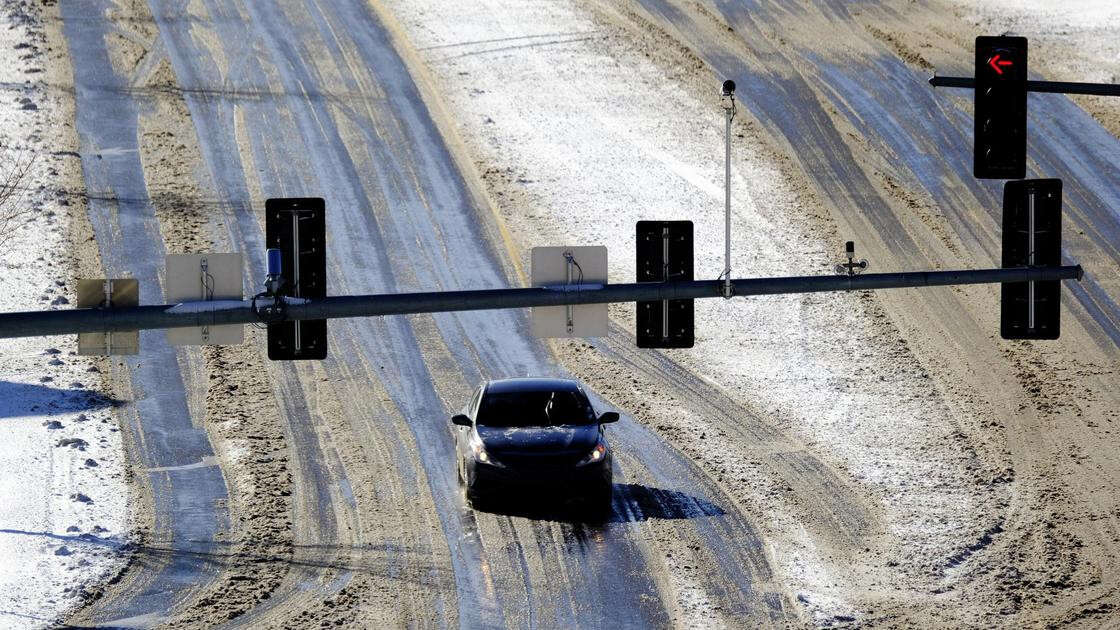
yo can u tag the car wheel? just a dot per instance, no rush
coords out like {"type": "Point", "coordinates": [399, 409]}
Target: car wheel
{"type": "Point", "coordinates": [599, 502]}
{"type": "Point", "coordinates": [475, 500]}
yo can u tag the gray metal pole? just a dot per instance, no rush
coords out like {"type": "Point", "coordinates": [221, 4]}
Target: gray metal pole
{"type": "Point", "coordinates": [63, 322]}
{"type": "Point", "coordinates": [727, 202]}
{"type": "Point", "coordinates": [729, 111]}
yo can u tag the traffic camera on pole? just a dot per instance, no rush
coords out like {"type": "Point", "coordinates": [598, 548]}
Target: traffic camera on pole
{"type": "Point", "coordinates": [853, 266]}
{"type": "Point", "coordinates": [1000, 117]}
{"type": "Point", "coordinates": [727, 97]}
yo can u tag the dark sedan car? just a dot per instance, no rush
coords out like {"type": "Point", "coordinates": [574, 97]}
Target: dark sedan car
{"type": "Point", "coordinates": [534, 437]}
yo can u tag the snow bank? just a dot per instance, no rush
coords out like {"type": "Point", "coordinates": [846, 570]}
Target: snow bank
{"type": "Point", "coordinates": [62, 493]}
{"type": "Point", "coordinates": [1080, 14]}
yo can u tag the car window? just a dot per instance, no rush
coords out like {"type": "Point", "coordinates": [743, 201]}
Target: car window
{"type": "Point", "coordinates": [472, 406]}
{"type": "Point", "coordinates": [535, 409]}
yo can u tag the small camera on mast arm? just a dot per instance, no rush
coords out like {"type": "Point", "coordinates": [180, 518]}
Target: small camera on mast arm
{"type": "Point", "coordinates": [853, 266]}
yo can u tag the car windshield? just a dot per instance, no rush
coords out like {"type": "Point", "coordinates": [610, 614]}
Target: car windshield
{"type": "Point", "coordinates": [535, 409]}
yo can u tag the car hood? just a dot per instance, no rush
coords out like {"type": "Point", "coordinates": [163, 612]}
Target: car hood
{"type": "Point", "coordinates": [529, 440]}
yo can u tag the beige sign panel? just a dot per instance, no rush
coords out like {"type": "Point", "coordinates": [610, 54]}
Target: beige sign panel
{"type": "Point", "coordinates": [201, 278]}
{"type": "Point", "coordinates": [563, 268]}
{"type": "Point", "coordinates": [108, 293]}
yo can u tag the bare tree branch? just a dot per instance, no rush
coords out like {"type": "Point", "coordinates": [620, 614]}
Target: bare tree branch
{"type": "Point", "coordinates": [15, 173]}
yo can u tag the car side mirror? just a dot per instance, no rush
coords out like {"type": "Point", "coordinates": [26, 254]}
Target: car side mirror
{"type": "Point", "coordinates": [461, 420]}
{"type": "Point", "coordinates": [608, 416]}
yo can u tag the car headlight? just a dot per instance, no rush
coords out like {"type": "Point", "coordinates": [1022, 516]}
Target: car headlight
{"type": "Point", "coordinates": [597, 454]}
{"type": "Point", "coordinates": [481, 455]}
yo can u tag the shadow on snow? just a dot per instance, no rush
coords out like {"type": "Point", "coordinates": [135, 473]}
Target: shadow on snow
{"type": "Point", "coordinates": [27, 399]}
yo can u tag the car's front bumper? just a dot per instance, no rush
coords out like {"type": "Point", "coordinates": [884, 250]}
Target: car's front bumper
{"type": "Point", "coordinates": [490, 479]}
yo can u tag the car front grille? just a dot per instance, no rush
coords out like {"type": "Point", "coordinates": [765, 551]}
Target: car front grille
{"type": "Point", "coordinates": [543, 460]}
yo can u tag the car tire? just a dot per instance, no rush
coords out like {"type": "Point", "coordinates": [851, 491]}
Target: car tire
{"type": "Point", "coordinates": [473, 498]}
{"type": "Point", "coordinates": [599, 502]}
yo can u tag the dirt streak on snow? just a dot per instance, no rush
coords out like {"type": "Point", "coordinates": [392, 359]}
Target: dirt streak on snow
{"type": "Point", "coordinates": [63, 495]}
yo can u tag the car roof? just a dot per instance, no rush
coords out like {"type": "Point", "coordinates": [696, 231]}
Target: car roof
{"type": "Point", "coordinates": [507, 385]}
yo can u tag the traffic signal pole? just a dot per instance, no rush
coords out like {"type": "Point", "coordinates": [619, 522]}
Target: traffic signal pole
{"type": "Point", "coordinates": [192, 314]}
{"type": "Point", "coordinates": [729, 115]}
{"type": "Point", "coordinates": [1052, 87]}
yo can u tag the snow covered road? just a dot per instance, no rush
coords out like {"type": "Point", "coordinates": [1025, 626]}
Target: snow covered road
{"type": "Point", "coordinates": [823, 460]}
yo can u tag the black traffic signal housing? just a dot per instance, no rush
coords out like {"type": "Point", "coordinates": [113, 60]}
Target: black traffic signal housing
{"type": "Point", "coordinates": [664, 254]}
{"type": "Point", "coordinates": [1032, 237]}
{"type": "Point", "coordinates": [298, 228]}
{"type": "Point", "coordinates": [1000, 115]}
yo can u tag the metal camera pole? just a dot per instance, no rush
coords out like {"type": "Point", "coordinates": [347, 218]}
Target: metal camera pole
{"type": "Point", "coordinates": [729, 112]}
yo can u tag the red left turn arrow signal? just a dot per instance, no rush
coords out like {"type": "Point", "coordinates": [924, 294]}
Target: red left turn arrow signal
{"type": "Point", "coordinates": [995, 62]}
